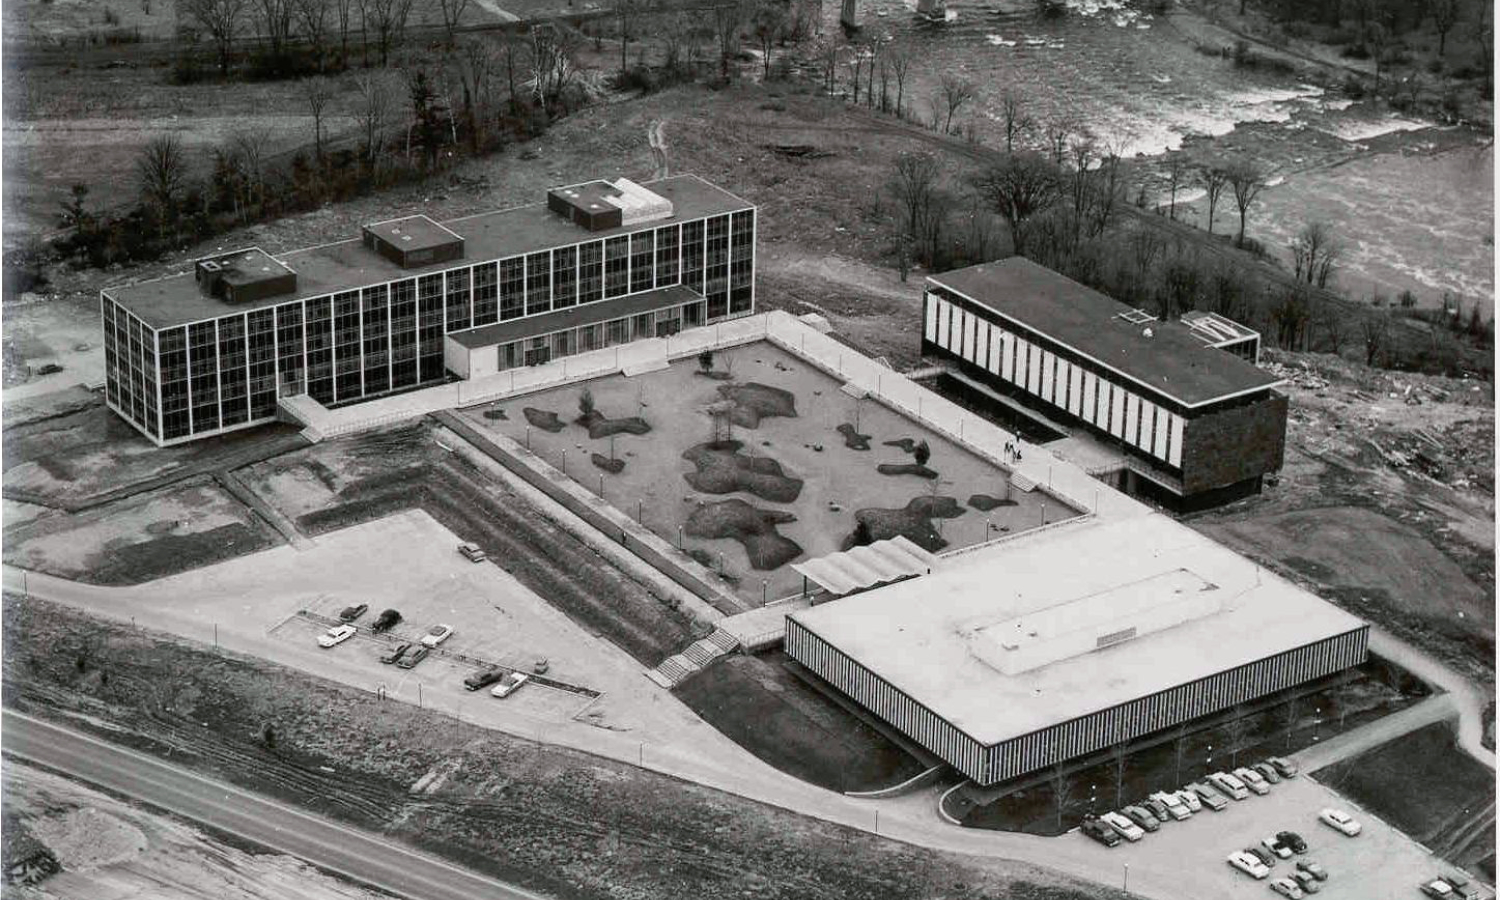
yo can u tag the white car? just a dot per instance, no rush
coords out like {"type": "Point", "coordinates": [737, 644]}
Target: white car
{"type": "Point", "coordinates": [1253, 780]}
{"type": "Point", "coordinates": [1248, 864]}
{"type": "Point", "coordinates": [1127, 829]}
{"type": "Point", "coordinates": [509, 684]}
{"type": "Point", "coordinates": [436, 635]}
{"type": "Point", "coordinates": [1192, 801]}
{"type": "Point", "coordinates": [1287, 888]}
{"type": "Point", "coordinates": [1228, 784]}
{"type": "Point", "coordinates": [1339, 820]}
{"type": "Point", "coordinates": [1174, 804]}
{"type": "Point", "coordinates": [336, 635]}
{"type": "Point", "coordinates": [1276, 847]}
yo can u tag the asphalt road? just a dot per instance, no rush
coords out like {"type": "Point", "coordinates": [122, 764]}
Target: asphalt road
{"type": "Point", "coordinates": [335, 848]}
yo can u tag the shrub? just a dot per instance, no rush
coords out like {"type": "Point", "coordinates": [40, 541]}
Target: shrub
{"type": "Point", "coordinates": [586, 402]}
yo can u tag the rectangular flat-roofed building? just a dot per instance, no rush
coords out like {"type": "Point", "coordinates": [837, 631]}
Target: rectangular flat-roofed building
{"type": "Point", "coordinates": [1006, 661]}
{"type": "Point", "coordinates": [195, 355]}
{"type": "Point", "coordinates": [1184, 400]}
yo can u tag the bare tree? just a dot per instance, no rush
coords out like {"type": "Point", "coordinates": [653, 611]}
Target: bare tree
{"type": "Point", "coordinates": [1291, 720]}
{"type": "Point", "coordinates": [1013, 116]}
{"type": "Point", "coordinates": [900, 63]}
{"type": "Point", "coordinates": [1062, 789]}
{"type": "Point", "coordinates": [162, 172]}
{"type": "Point", "coordinates": [1376, 331]}
{"type": "Point", "coordinates": [453, 11]}
{"type": "Point", "coordinates": [1329, 320]}
{"type": "Point", "coordinates": [375, 106]}
{"type": "Point", "coordinates": [275, 20]}
{"type": "Point", "coordinates": [1236, 728]}
{"type": "Point", "coordinates": [1246, 180]}
{"type": "Point", "coordinates": [1215, 179]}
{"type": "Point", "coordinates": [388, 19]}
{"type": "Point", "coordinates": [313, 19]}
{"type": "Point", "coordinates": [1290, 317]}
{"type": "Point", "coordinates": [1176, 171]}
{"type": "Point", "coordinates": [1445, 14]}
{"type": "Point", "coordinates": [221, 19]}
{"type": "Point", "coordinates": [343, 11]}
{"type": "Point", "coordinates": [769, 25]}
{"type": "Point", "coordinates": [251, 148]}
{"type": "Point", "coordinates": [552, 61]}
{"type": "Point", "coordinates": [1120, 753]}
{"type": "Point", "coordinates": [317, 91]}
{"type": "Point", "coordinates": [828, 57]}
{"type": "Point", "coordinates": [727, 19]}
{"type": "Point", "coordinates": [1178, 744]}
{"type": "Point", "coordinates": [1019, 187]}
{"type": "Point", "coordinates": [626, 13]}
{"type": "Point", "coordinates": [957, 90]}
{"type": "Point", "coordinates": [1314, 254]}
{"type": "Point", "coordinates": [1059, 134]}
{"type": "Point", "coordinates": [475, 65]}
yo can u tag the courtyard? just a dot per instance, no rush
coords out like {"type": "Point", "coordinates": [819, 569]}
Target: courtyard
{"type": "Point", "coordinates": [755, 459]}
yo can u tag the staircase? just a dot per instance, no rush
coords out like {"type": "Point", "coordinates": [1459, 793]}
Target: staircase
{"type": "Point", "coordinates": [1021, 482]}
{"type": "Point", "coordinates": [679, 667]}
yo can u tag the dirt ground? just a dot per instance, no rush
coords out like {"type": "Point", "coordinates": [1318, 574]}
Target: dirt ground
{"type": "Point", "coordinates": [109, 848]}
{"type": "Point", "coordinates": [837, 481]}
{"type": "Point", "coordinates": [553, 821]}
{"type": "Point", "coordinates": [1430, 789]}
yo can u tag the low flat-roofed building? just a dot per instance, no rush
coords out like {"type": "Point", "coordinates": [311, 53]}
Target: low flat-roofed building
{"type": "Point", "coordinates": [194, 355]}
{"type": "Point", "coordinates": [1183, 400]}
{"type": "Point", "coordinates": [1064, 642]}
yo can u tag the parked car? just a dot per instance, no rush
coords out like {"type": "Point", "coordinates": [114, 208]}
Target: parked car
{"type": "Point", "coordinates": [1340, 821]}
{"type": "Point", "coordinates": [1287, 888]}
{"type": "Point", "coordinates": [1439, 889]}
{"type": "Point", "coordinates": [386, 621]}
{"type": "Point", "coordinates": [1463, 886]}
{"type": "Point", "coordinates": [436, 635]}
{"type": "Point", "coordinates": [1123, 826]}
{"type": "Point", "coordinates": [1286, 767]}
{"type": "Point", "coordinates": [1209, 797]}
{"type": "Point", "coordinates": [1249, 864]}
{"type": "Point", "coordinates": [484, 678]}
{"type": "Point", "coordinates": [1141, 817]}
{"type": "Point", "coordinates": [1268, 772]}
{"type": "Point", "coordinates": [1157, 809]}
{"type": "Point", "coordinates": [350, 613]}
{"type": "Point", "coordinates": [509, 684]}
{"type": "Point", "coordinates": [395, 653]}
{"type": "Point", "coordinates": [1252, 780]}
{"type": "Point", "coordinates": [541, 665]}
{"type": "Point", "coordinates": [1276, 847]}
{"type": "Point", "coordinates": [1292, 840]}
{"type": "Point", "coordinates": [1175, 806]}
{"type": "Point", "coordinates": [1093, 828]}
{"type": "Point", "coordinates": [1307, 882]}
{"type": "Point", "coordinates": [1262, 854]}
{"type": "Point", "coordinates": [472, 553]}
{"type": "Point", "coordinates": [336, 635]}
{"type": "Point", "coordinates": [1313, 869]}
{"type": "Point", "coordinates": [1190, 799]}
{"type": "Point", "coordinates": [1228, 784]}
{"type": "Point", "coordinates": [411, 659]}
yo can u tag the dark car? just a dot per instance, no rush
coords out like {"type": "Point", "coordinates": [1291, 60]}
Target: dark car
{"type": "Point", "coordinates": [1313, 869]}
{"type": "Point", "coordinates": [1141, 817]}
{"type": "Point", "coordinates": [350, 613]}
{"type": "Point", "coordinates": [1099, 831]}
{"type": "Point", "coordinates": [387, 621]}
{"type": "Point", "coordinates": [1461, 883]}
{"type": "Point", "coordinates": [1292, 841]}
{"type": "Point", "coordinates": [1284, 767]}
{"type": "Point", "coordinates": [484, 678]}
{"type": "Point", "coordinates": [1262, 854]}
{"type": "Point", "coordinates": [1268, 772]}
{"type": "Point", "coordinates": [395, 653]}
{"type": "Point", "coordinates": [416, 655]}
{"type": "Point", "coordinates": [1157, 809]}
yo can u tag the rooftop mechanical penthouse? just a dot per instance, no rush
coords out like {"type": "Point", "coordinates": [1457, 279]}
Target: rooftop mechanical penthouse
{"type": "Point", "coordinates": [413, 302]}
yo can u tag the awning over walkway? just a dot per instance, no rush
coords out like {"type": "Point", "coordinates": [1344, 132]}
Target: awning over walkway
{"type": "Point", "coordinates": [878, 563]}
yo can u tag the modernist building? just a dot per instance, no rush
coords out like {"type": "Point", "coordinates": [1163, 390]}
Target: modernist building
{"type": "Point", "coordinates": [1183, 401]}
{"type": "Point", "coordinates": [1065, 642]}
{"type": "Point", "coordinates": [597, 264]}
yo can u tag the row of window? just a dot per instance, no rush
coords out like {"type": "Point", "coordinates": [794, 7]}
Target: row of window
{"type": "Point", "coordinates": [536, 351]}
{"type": "Point", "coordinates": [1185, 702]}
{"type": "Point", "coordinates": [362, 343]}
{"type": "Point", "coordinates": [1067, 385]}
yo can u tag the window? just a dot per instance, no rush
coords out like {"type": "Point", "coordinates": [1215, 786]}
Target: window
{"type": "Point", "coordinates": [742, 263]}
{"type": "Point", "coordinates": [590, 272]}
{"type": "Point", "coordinates": [538, 283]}
{"type": "Point", "coordinates": [512, 288]}
{"type": "Point", "coordinates": [590, 337]}
{"type": "Point", "coordinates": [564, 277]}
{"type": "Point", "coordinates": [666, 256]}
{"type": "Point", "coordinates": [617, 266]}
{"type": "Point", "coordinates": [486, 304]}
{"type": "Point", "coordinates": [716, 267]}
{"type": "Point", "coordinates": [377, 368]}
{"type": "Point", "coordinates": [692, 255]}
{"type": "Point", "coordinates": [617, 332]}
{"type": "Point", "coordinates": [642, 262]}
{"type": "Point", "coordinates": [457, 316]}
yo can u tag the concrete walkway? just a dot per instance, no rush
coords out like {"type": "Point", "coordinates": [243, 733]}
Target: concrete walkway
{"type": "Point", "coordinates": [1466, 697]}
{"type": "Point", "coordinates": [1387, 728]}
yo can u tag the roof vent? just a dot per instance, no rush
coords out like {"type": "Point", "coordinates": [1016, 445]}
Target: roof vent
{"type": "Point", "coordinates": [244, 276]}
{"type": "Point", "coordinates": [414, 241]}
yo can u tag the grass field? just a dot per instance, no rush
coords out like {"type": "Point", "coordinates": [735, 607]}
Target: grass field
{"type": "Point", "coordinates": [796, 469]}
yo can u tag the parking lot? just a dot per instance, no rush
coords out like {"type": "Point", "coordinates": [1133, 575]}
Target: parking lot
{"type": "Point", "coordinates": [1380, 863]}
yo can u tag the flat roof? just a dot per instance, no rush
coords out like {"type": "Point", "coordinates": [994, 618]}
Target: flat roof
{"type": "Point", "coordinates": [1172, 361]}
{"type": "Point", "coordinates": [175, 300]}
{"type": "Point", "coordinates": [416, 232]}
{"type": "Point", "coordinates": [574, 316]}
{"type": "Point", "coordinates": [918, 634]}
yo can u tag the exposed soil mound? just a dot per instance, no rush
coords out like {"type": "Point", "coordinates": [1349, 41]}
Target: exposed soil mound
{"type": "Point", "coordinates": [602, 426]}
{"type": "Point", "coordinates": [907, 445]}
{"type": "Point", "coordinates": [906, 469]}
{"type": "Point", "coordinates": [612, 466]}
{"type": "Point", "coordinates": [985, 503]}
{"type": "Point", "coordinates": [544, 419]}
{"type": "Point", "coordinates": [914, 522]}
{"type": "Point", "coordinates": [754, 528]}
{"type": "Point", "coordinates": [723, 469]}
{"type": "Point", "coordinates": [853, 439]}
{"type": "Point", "coordinates": [753, 402]}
